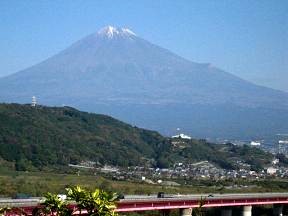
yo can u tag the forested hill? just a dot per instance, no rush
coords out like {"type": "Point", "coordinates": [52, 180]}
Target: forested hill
{"type": "Point", "coordinates": [42, 136]}
{"type": "Point", "coordinates": [34, 138]}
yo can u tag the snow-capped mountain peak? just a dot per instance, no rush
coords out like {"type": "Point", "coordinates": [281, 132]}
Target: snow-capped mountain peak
{"type": "Point", "coordinates": [110, 32]}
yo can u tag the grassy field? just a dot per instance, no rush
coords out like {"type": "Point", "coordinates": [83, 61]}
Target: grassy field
{"type": "Point", "coordinates": [38, 183]}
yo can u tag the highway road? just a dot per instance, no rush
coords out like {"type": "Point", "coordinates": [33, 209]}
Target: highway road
{"type": "Point", "coordinates": [133, 203]}
{"type": "Point", "coordinates": [153, 198]}
{"type": "Point", "coordinates": [210, 196]}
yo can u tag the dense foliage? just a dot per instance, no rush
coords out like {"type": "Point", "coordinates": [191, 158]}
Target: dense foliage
{"type": "Point", "coordinates": [42, 136]}
{"type": "Point", "coordinates": [38, 138]}
{"type": "Point", "coordinates": [97, 202]}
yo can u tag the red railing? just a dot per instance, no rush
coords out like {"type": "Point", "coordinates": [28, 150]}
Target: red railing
{"type": "Point", "coordinates": [168, 203]}
{"type": "Point", "coordinates": [127, 206]}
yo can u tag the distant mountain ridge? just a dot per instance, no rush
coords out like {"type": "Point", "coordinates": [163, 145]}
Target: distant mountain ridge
{"type": "Point", "coordinates": [116, 72]}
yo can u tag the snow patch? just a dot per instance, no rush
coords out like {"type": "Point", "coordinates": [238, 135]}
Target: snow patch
{"type": "Point", "coordinates": [110, 32]}
{"type": "Point", "coordinates": [128, 31]}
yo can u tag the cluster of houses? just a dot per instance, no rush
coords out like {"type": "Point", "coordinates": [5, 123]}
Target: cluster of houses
{"type": "Point", "coordinates": [203, 170]}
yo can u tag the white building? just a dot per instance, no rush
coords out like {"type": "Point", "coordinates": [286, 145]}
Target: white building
{"type": "Point", "coordinates": [275, 161]}
{"type": "Point", "coordinates": [255, 143]}
{"type": "Point", "coordinates": [271, 170]}
{"type": "Point", "coordinates": [34, 101]}
{"type": "Point", "coordinates": [182, 136]}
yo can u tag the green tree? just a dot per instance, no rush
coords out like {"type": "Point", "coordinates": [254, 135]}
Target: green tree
{"type": "Point", "coordinates": [54, 205]}
{"type": "Point", "coordinates": [4, 210]}
{"type": "Point", "coordinates": [96, 203]}
{"type": "Point", "coordinates": [78, 195]}
{"type": "Point", "coordinates": [15, 211]}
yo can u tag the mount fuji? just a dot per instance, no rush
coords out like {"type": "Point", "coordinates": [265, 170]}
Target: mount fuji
{"type": "Point", "coordinates": [115, 72]}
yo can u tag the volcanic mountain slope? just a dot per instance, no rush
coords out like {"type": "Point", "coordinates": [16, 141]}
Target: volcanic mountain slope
{"type": "Point", "coordinates": [116, 72]}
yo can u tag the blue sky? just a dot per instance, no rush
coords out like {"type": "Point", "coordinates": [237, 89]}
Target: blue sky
{"type": "Point", "coordinates": [246, 38]}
